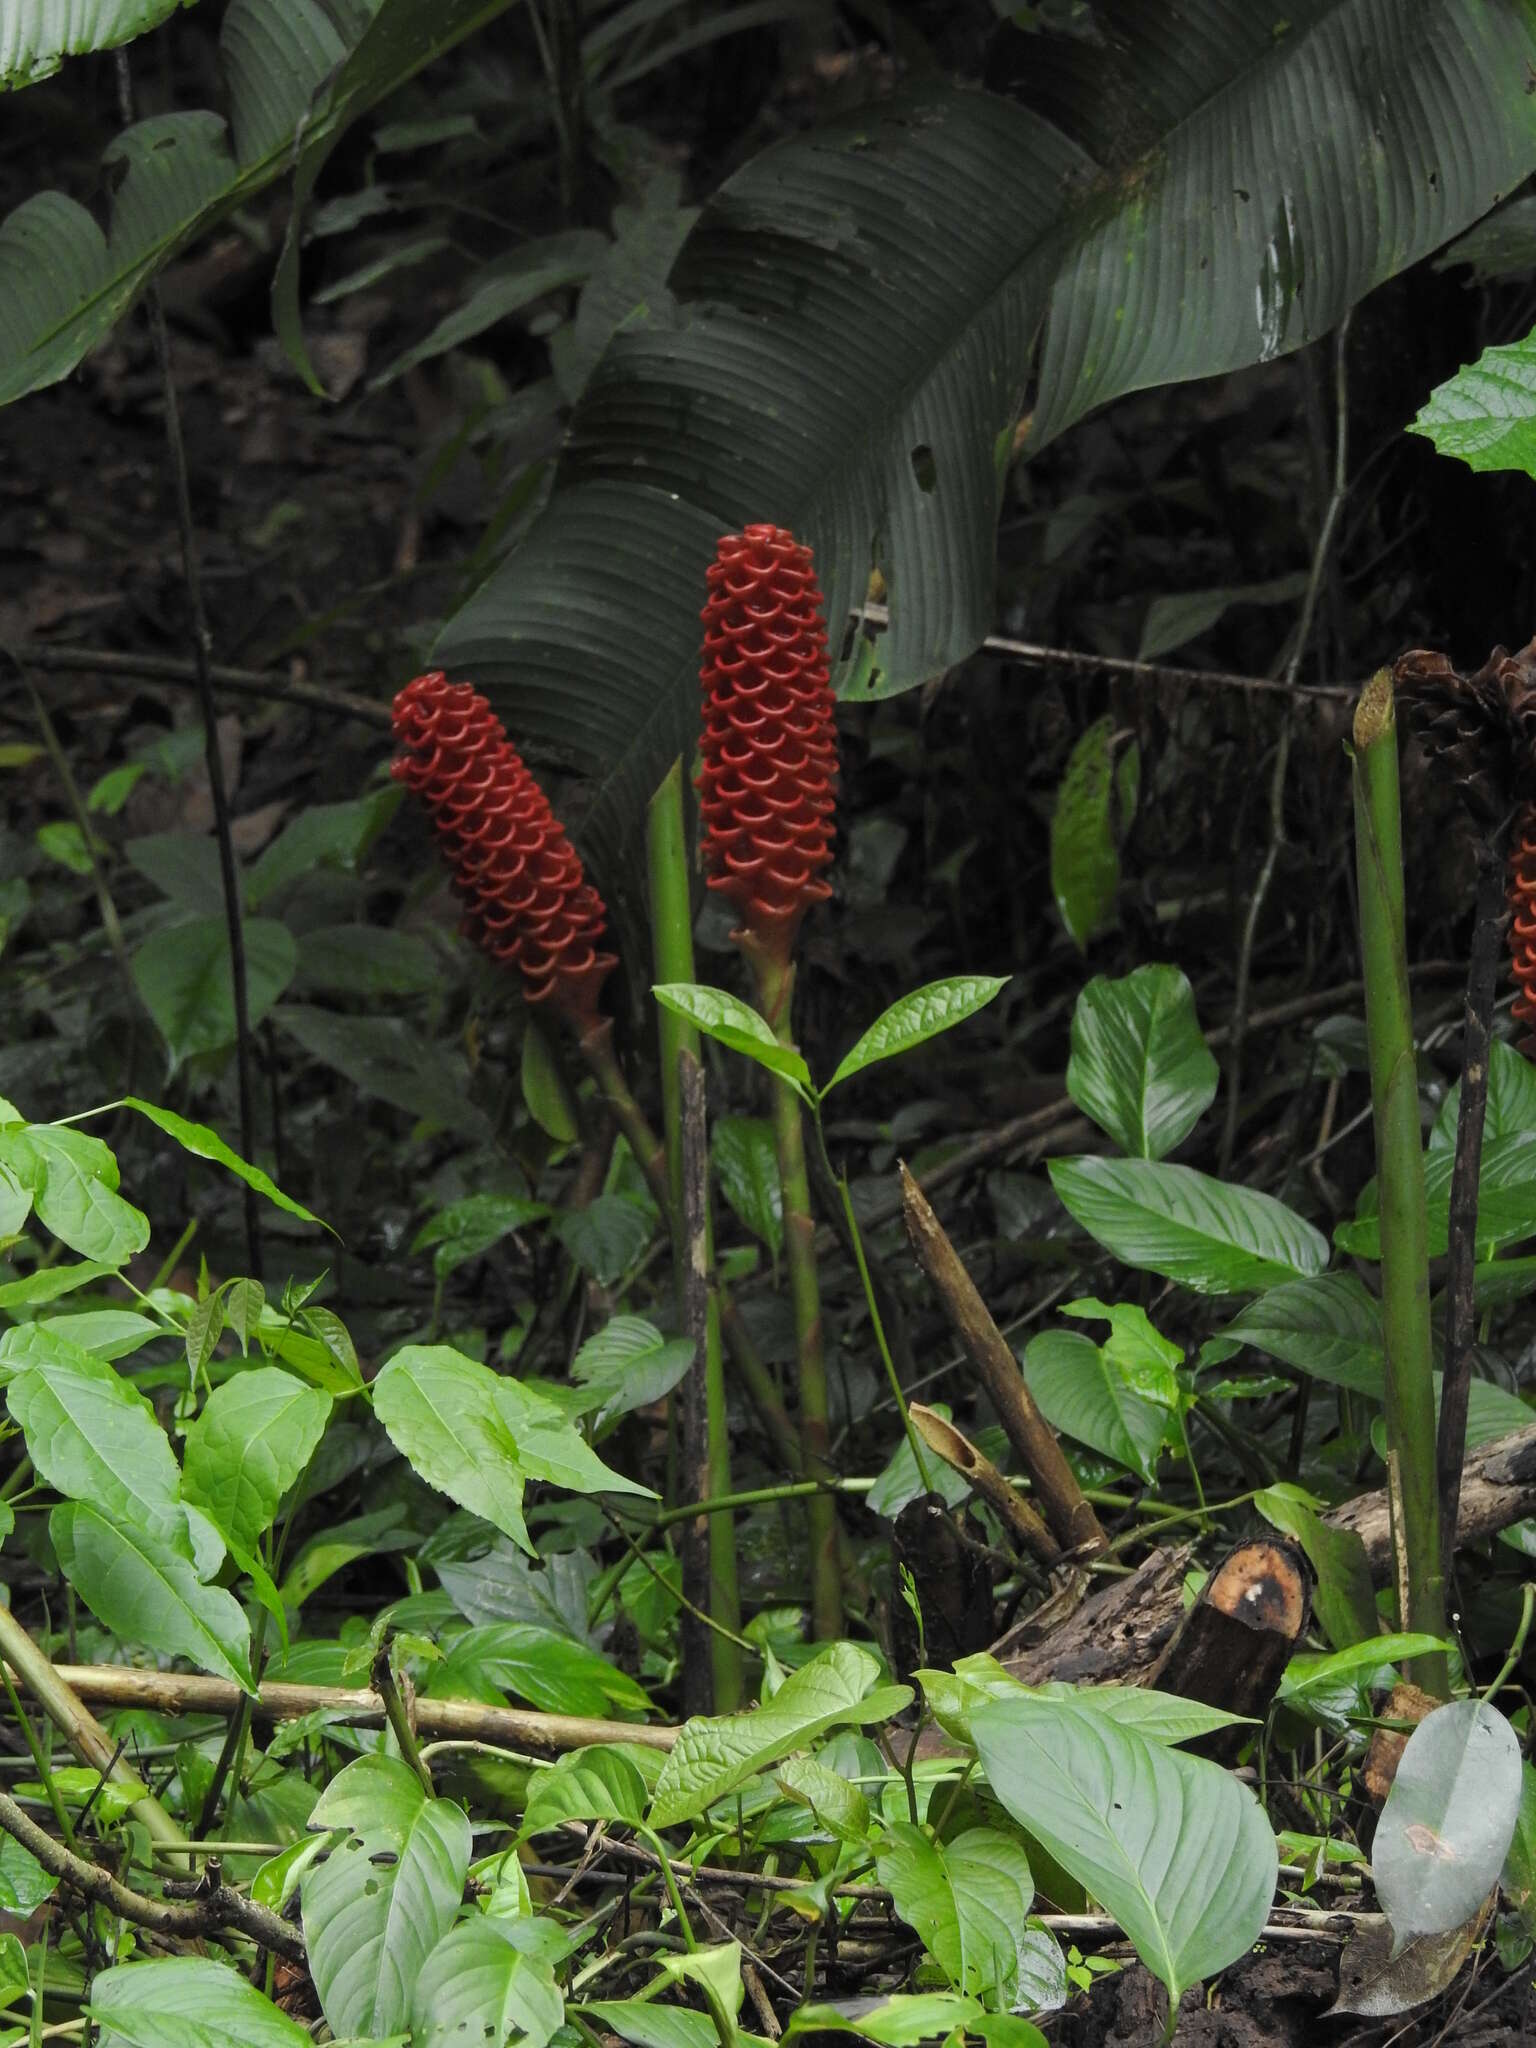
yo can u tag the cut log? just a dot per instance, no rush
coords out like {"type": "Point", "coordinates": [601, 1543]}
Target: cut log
{"type": "Point", "coordinates": [1117, 1635]}
{"type": "Point", "coordinates": [1232, 1647]}
{"type": "Point", "coordinates": [1498, 1489]}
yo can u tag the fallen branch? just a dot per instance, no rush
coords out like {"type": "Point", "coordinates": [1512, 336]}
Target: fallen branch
{"type": "Point", "coordinates": [1071, 1519]}
{"type": "Point", "coordinates": [184, 1692]}
{"type": "Point", "coordinates": [165, 668]}
{"type": "Point", "coordinates": [222, 1906]}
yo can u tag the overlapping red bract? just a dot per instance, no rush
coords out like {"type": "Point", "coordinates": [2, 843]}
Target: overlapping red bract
{"type": "Point", "coordinates": [767, 785]}
{"type": "Point", "coordinates": [527, 900]}
{"type": "Point", "coordinates": [1522, 925]}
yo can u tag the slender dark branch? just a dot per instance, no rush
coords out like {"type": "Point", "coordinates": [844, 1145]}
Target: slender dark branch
{"type": "Point", "coordinates": [166, 668]}
{"type": "Point", "coordinates": [1303, 633]}
{"type": "Point", "coordinates": [1155, 674]}
{"type": "Point", "coordinates": [202, 647]}
{"type": "Point", "coordinates": [1461, 1247]}
{"type": "Point", "coordinates": [222, 1907]}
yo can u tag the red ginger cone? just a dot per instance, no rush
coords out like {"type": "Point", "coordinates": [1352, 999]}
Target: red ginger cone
{"type": "Point", "coordinates": [527, 900]}
{"type": "Point", "coordinates": [1522, 925]}
{"type": "Point", "coordinates": [767, 785]}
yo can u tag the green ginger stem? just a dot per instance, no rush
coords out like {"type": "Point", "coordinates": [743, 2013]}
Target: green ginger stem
{"type": "Point", "coordinates": [1412, 1494]}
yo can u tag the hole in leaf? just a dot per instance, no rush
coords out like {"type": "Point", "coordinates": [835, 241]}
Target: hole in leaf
{"type": "Point", "coordinates": [925, 469]}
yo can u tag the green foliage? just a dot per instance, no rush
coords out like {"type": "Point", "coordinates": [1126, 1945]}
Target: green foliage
{"type": "Point", "coordinates": [1204, 1233]}
{"type": "Point", "coordinates": [1177, 1850]}
{"type": "Point", "coordinates": [916, 379]}
{"type": "Point", "coordinates": [37, 35]}
{"type": "Point", "coordinates": [1485, 416]}
{"type": "Point", "coordinates": [1448, 1820]}
{"type": "Point", "coordinates": [1139, 1066]}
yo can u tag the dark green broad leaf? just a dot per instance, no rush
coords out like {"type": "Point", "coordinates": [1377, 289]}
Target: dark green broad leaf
{"type": "Point", "coordinates": [1118, 1397]}
{"type": "Point", "coordinates": [147, 1592]}
{"type": "Point", "coordinates": [1204, 1233]}
{"type": "Point", "coordinates": [1170, 1844]}
{"type": "Point", "coordinates": [322, 835]}
{"type": "Point", "coordinates": [37, 35]}
{"type": "Point", "coordinates": [1095, 802]}
{"type": "Point", "coordinates": [464, 1229]}
{"type": "Point", "coordinates": [722, 1016]}
{"type": "Point", "coordinates": [711, 1757]}
{"type": "Point", "coordinates": [628, 1364]}
{"type": "Point", "coordinates": [442, 1413]}
{"type": "Point", "coordinates": [747, 1169]}
{"type": "Point", "coordinates": [1176, 620]}
{"type": "Point", "coordinates": [598, 1783]}
{"type": "Point", "coordinates": [182, 972]}
{"type": "Point", "coordinates": [365, 960]}
{"type": "Point", "coordinates": [252, 1441]}
{"type": "Point", "coordinates": [480, 1984]}
{"type": "Point", "coordinates": [1506, 1199]}
{"type": "Point", "coordinates": [1328, 1326]}
{"type": "Point", "coordinates": [1485, 415]}
{"type": "Point", "coordinates": [187, 2002]}
{"type": "Point", "coordinates": [384, 1057]}
{"type": "Point", "coordinates": [538, 1665]}
{"type": "Point", "coordinates": [93, 1436]}
{"type": "Point", "coordinates": [290, 74]}
{"type": "Point", "coordinates": [917, 1017]}
{"type": "Point", "coordinates": [1511, 1102]}
{"type": "Point", "coordinates": [834, 353]}
{"type": "Point", "coordinates": [378, 1905]}
{"type": "Point", "coordinates": [606, 1237]}
{"type": "Point", "coordinates": [71, 1180]}
{"type": "Point", "coordinates": [967, 1899]}
{"type": "Point", "coordinates": [544, 1090]}
{"type": "Point", "coordinates": [1139, 1066]}
{"type": "Point", "coordinates": [1448, 1821]}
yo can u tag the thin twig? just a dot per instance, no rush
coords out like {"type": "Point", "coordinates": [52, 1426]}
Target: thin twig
{"type": "Point", "coordinates": [202, 648]}
{"type": "Point", "coordinates": [223, 1906]}
{"type": "Point", "coordinates": [1155, 674]}
{"type": "Point", "coordinates": [1239, 1021]}
{"type": "Point", "coordinates": [1461, 1243]}
{"type": "Point", "coordinates": [164, 668]}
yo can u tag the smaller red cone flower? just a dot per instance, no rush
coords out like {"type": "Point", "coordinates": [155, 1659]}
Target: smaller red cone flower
{"type": "Point", "coordinates": [527, 900]}
{"type": "Point", "coordinates": [767, 785]}
{"type": "Point", "coordinates": [1522, 925]}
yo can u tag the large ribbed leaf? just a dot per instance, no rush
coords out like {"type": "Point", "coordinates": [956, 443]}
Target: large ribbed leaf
{"type": "Point", "coordinates": [291, 67]}
{"type": "Point", "coordinates": [856, 321]}
{"type": "Point", "coordinates": [37, 35]}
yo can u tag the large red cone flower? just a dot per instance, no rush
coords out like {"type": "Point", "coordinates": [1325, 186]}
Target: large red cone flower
{"type": "Point", "coordinates": [1522, 924]}
{"type": "Point", "coordinates": [527, 900]}
{"type": "Point", "coordinates": [767, 785]}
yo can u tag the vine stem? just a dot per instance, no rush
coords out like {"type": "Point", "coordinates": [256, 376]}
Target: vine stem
{"type": "Point", "coordinates": [202, 647]}
{"type": "Point", "coordinates": [1288, 682]}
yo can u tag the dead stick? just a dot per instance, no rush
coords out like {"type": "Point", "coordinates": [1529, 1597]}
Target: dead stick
{"type": "Point", "coordinates": [1461, 1242]}
{"type": "Point", "coordinates": [995, 1487]}
{"type": "Point", "coordinates": [1071, 1518]}
{"type": "Point", "coordinates": [181, 1692]}
{"type": "Point", "coordinates": [223, 1907]}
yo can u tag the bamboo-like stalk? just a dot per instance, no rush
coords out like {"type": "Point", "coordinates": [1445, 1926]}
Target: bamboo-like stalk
{"type": "Point", "coordinates": [1071, 1518]}
{"type": "Point", "coordinates": [775, 989]}
{"type": "Point", "coordinates": [1410, 1403]}
{"type": "Point", "coordinates": [994, 1487]}
{"type": "Point", "coordinates": [186, 1692]}
{"type": "Point", "coordinates": [82, 1731]}
{"type": "Point", "coordinates": [693, 1249]}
